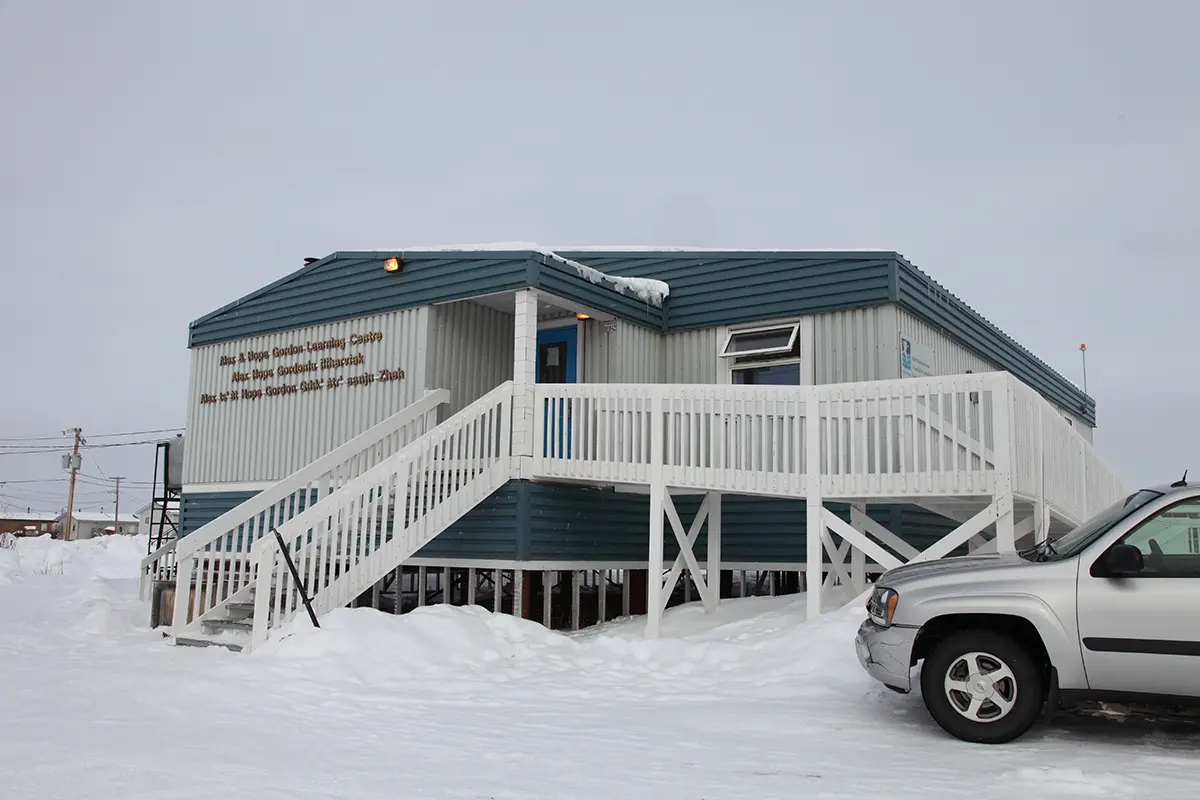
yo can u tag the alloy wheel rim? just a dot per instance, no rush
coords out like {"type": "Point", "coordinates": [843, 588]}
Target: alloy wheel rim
{"type": "Point", "coordinates": [981, 687]}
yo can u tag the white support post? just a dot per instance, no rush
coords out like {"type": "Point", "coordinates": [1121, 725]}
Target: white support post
{"type": "Point", "coordinates": [471, 586]}
{"type": "Point", "coordinates": [518, 609]}
{"type": "Point", "coordinates": [658, 504]}
{"type": "Point", "coordinates": [602, 598]}
{"type": "Point", "coordinates": [547, 585]}
{"type": "Point", "coordinates": [398, 585]}
{"type": "Point", "coordinates": [858, 559]}
{"type": "Point", "coordinates": [713, 559]}
{"type": "Point", "coordinates": [1002, 494]}
{"type": "Point", "coordinates": [498, 595]}
{"type": "Point", "coordinates": [446, 587]}
{"type": "Point", "coordinates": [654, 582]}
{"type": "Point", "coordinates": [742, 584]}
{"type": "Point", "coordinates": [625, 593]}
{"type": "Point", "coordinates": [1041, 518]}
{"type": "Point", "coordinates": [576, 578]}
{"type": "Point", "coordinates": [525, 316]}
{"type": "Point", "coordinates": [815, 521]}
{"type": "Point", "coordinates": [422, 583]}
{"type": "Point", "coordinates": [377, 594]}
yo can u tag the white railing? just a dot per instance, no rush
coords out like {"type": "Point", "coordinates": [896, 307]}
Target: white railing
{"type": "Point", "coordinates": [347, 542]}
{"type": "Point", "coordinates": [158, 566]}
{"type": "Point", "coordinates": [215, 558]}
{"type": "Point", "coordinates": [926, 437]}
{"type": "Point", "coordinates": [1055, 462]}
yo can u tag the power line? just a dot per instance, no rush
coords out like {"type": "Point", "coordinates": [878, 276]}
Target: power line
{"type": "Point", "coordinates": [4, 451]}
{"type": "Point", "coordinates": [61, 437]}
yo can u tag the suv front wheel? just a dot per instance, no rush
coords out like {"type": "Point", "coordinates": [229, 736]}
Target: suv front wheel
{"type": "Point", "coordinates": [982, 687]}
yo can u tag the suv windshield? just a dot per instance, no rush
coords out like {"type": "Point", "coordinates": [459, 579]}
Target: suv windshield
{"type": "Point", "coordinates": [1077, 540]}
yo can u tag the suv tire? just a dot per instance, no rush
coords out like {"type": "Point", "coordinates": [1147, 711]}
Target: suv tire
{"type": "Point", "coordinates": [982, 687]}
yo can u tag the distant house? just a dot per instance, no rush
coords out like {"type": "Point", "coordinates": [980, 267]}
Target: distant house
{"type": "Point", "coordinates": [89, 524]}
{"type": "Point", "coordinates": [27, 522]}
{"type": "Point", "coordinates": [149, 518]}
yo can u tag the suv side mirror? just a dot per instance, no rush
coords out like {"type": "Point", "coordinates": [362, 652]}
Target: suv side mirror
{"type": "Point", "coordinates": [1122, 561]}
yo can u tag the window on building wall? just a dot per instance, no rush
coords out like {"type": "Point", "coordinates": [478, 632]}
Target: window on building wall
{"type": "Point", "coordinates": [775, 340]}
{"type": "Point", "coordinates": [768, 375]}
{"type": "Point", "coordinates": [764, 356]}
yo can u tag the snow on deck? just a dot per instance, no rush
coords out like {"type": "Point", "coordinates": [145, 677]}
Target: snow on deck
{"type": "Point", "coordinates": [459, 703]}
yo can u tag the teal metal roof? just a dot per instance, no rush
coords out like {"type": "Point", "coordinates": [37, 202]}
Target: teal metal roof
{"type": "Point", "coordinates": [707, 288]}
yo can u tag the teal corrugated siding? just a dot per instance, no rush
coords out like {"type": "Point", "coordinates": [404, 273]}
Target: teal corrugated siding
{"type": "Point", "coordinates": [354, 284]}
{"type": "Point", "coordinates": [727, 288]}
{"type": "Point", "coordinates": [927, 299]}
{"type": "Point", "coordinates": [569, 523]}
{"type": "Point", "coordinates": [200, 509]}
{"type": "Point", "coordinates": [553, 522]}
{"type": "Point", "coordinates": [487, 531]}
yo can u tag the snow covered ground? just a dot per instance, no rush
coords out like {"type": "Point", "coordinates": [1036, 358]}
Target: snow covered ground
{"type": "Point", "coordinates": [457, 703]}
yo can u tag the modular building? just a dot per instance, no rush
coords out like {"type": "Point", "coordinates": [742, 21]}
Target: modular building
{"type": "Point", "coordinates": [587, 350]}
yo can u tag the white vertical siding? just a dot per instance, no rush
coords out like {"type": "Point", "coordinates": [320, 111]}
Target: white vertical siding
{"type": "Point", "coordinates": [627, 354]}
{"type": "Point", "coordinates": [949, 357]}
{"type": "Point", "coordinates": [471, 351]}
{"type": "Point", "coordinates": [857, 344]}
{"type": "Point", "coordinates": [268, 438]}
{"type": "Point", "coordinates": [693, 356]}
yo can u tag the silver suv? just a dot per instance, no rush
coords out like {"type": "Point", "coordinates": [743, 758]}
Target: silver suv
{"type": "Point", "coordinates": [1109, 611]}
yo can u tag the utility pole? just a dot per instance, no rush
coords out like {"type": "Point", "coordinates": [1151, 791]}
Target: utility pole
{"type": "Point", "coordinates": [117, 507]}
{"type": "Point", "coordinates": [74, 465]}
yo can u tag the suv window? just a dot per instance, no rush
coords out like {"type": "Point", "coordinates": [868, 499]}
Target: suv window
{"type": "Point", "coordinates": [1092, 529]}
{"type": "Point", "coordinates": [1170, 541]}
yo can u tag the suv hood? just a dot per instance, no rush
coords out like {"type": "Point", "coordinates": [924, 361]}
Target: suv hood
{"type": "Point", "coordinates": [950, 566]}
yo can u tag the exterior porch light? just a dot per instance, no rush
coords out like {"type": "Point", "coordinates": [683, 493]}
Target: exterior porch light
{"type": "Point", "coordinates": [393, 264]}
{"type": "Point", "coordinates": [582, 316]}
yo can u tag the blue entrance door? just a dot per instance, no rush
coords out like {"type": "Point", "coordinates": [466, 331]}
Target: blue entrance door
{"type": "Point", "coordinates": [556, 355]}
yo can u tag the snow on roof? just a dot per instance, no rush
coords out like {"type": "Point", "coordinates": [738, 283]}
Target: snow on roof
{"type": "Point", "coordinates": [29, 516]}
{"type": "Point", "coordinates": [625, 248]}
{"type": "Point", "coordinates": [93, 516]}
{"type": "Point", "coordinates": [647, 290]}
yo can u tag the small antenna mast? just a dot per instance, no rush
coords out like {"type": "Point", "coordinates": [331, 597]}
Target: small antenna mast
{"type": "Point", "coordinates": [1083, 356]}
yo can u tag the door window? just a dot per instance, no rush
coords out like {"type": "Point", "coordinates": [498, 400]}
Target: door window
{"type": "Point", "coordinates": [1170, 542]}
{"type": "Point", "coordinates": [552, 362]}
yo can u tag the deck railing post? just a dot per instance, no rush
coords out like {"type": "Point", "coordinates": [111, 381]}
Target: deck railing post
{"type": "Point", "coordinates": [658, 490]}
{"type": "Point", "coordinates": [1041, 522]}
{"type": "Point", "coordinates": [1005, 445]}
{"type": "Point", "coordinates": [815, 523]}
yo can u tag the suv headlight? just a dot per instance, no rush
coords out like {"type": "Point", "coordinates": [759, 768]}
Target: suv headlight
{"type": "Point", "coordinates": [881, 606]}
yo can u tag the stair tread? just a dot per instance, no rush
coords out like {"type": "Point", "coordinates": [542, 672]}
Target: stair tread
{"type": "Point", "coordinates": [229, 624]}
{"type": "Point", "coordinates": [191, 641]}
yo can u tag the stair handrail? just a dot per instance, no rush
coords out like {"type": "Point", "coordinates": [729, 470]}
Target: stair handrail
{"type": "Point", "coordinates": [262, 550]}
{"type": "Point", "coordinates": [264, 500]}
{"type": "Point", "coordinates": [156, 566]}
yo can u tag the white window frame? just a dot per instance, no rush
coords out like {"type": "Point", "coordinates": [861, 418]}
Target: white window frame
{"type": "Point", "coordinates": [764, 351]}
{"type": "Point", "coordinates": [783, 362]}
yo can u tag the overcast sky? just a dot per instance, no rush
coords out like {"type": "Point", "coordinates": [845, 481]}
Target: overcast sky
{"type": "Point", "coordinates": [159, 159]}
